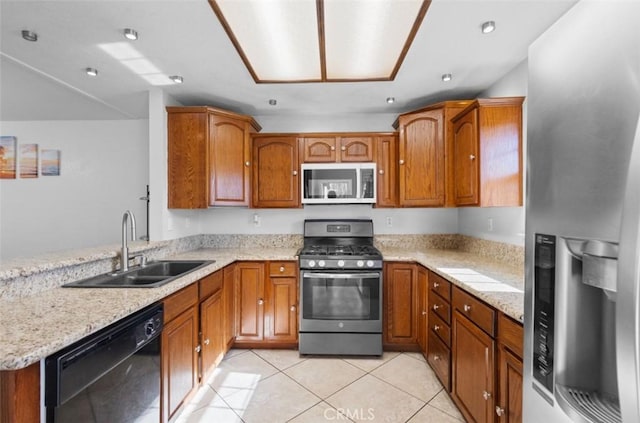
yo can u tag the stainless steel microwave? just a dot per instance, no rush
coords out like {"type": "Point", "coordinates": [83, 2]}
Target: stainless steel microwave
{"type": "Point", "coordinates": [338, 183]}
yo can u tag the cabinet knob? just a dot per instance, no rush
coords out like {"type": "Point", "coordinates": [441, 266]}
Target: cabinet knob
{"type": "Point", "coordinates": [435, 307]}
{"type": "Point", "coordinates": [436, 358]}
{"type": "Point", "coordinates": [207, 342]}
{"type": "Point", "coordinates": [467, 308]}
{"type": "Point", "coordinates": [247, 163]}
{"type": "Point", "coordinates": [381, 171]}
{"type": "Point", "coordinates": [343, 148]}
{"type": "Point", "coordinates": [472, 157]}
{"type": "Point", "coordinates": [486, 395]}
{"type": "Point", "coordinates": [436, 328]}
{"type": "Point", "coordinates": [281, 269]}
{"type": "Point", "coordinates": [295, 173]}
{"type": "Point", "coordinates": [292, 308]}
{"type": "Point", "coordinates": [333, 148]}
{"type": "Point", "coordinates": [198, 348]}
{"type": "Point", "coordinates": [436, 284]}
{"type": "Point", "coordinates": [424, 313]}
{"type": "Point", "coordinates": [401, 161]}
{"type": "Point", "coordinates": [499, 411]}
{"type": "Point", "coordinates": [260, 301]}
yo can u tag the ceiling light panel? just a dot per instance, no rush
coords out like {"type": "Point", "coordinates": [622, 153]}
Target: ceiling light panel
{"type": "Point", "coordinates": [278, 39]}
{"type": "Point", "coordinates": [365, 39]}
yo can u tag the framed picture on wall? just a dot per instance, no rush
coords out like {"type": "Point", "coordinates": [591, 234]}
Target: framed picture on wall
{"type": "Point", "coordinates": [8, 157]}
{"type": "Point", "coordinates": [50, 163]}
{"type": "Point", "coordinates": [29, 161]}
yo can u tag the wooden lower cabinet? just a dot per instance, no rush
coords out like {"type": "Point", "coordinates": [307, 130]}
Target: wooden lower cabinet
{"type": "Point", "coordinates": [400, 327]}
{"type": "Point", "coordinates": [249, 302]}
{"type": "Point", "coordinates": [281, 319]}
{"type": "Point", "coordinates": [422, 309]}
{"type": "Point", "coordinates": [509, 398]}
{"type": "Point", "coordinates": [229, 331]}
{"type": "Point", "coordinates": [20, 395]}
{"type": "Point", "coordinates": [179, 361]}
{"type": "Point", "coordinates": [212, 333]}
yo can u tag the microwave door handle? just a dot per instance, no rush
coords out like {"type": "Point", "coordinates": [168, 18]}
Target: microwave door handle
{"type": "Point", "coordinates": [628, 295]}
{"type": "Point", "coordinates": [340, 275]}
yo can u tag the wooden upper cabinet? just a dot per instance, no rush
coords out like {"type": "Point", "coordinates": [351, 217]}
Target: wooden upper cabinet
{"type": "Point", "coordinates": [425, 145]}
{"type": "Point", "coordinates": [386, 154]}
{"type": "Point", "coordinates": [209, 160]}
{"type": "Point", "coordinates": [337, 147]}
{"type": "Point", "coordinates": [275, 172]}
{"type": "Point", "coordinates": [488, 153]}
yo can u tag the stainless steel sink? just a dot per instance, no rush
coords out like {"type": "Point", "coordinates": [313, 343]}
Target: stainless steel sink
{"type": "Point", "coordinates": [150, 276]}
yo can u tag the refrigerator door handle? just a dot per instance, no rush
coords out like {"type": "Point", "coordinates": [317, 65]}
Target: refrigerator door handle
{"type": "Point", "coordinates": [628, 297]}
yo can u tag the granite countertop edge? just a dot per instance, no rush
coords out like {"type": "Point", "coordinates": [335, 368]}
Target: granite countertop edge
{"type": "Point", "coordinates": [36, 326]}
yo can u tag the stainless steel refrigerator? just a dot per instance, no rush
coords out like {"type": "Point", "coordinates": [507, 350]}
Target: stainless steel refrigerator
{"type": "Point", "coordinates": [582, 245]}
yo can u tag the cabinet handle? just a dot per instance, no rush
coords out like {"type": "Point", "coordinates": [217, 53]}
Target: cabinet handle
{"type": "Point", "coordinates": [247, 163]}
{"type": "Point", "coordinates": [436, 307]}
{"type": "Point", "coordinates": [499, 411]}
{"type": "Point", "coordinates": [295, 173]}
{"type": "Point", "coordinates": [281, 269]}
{"type": "Point", "coordinates": [343, 148]}
{"type": "Point", "coordinates": [472, 157]}
{"type": "Point", "coordinates": [436, 284]}
{"type": "Point", "coordinates": [381, 171]}
{"type": "Point", "coordinates": [467, 308]}
{"type": "Point", "coordinates": [260, 301]}
{"type": "Point", "coordinates": [292, 308]}
{"type": "Point", "coordinates": [333, 148]}
{"type": "Point", "coordinates": [401, 161]}
{"type": "Point", "coordinates": [486, 395]}
{"type": "Point", "coordinates": [206, 341]}
{"type": "Point", "coordinates": [436, 328]}
{"type": "Point", "coordinates": [198, 348]}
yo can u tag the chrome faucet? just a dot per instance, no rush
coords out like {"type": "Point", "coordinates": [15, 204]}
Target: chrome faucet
{"type": "Point", "coordinates": [124, 254]}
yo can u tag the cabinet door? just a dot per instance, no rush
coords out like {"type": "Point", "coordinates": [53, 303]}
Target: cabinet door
{"type": "Point", "coordinates": [467, 169]}
{"type": "Point", "coordinates": [319, 150]}
{"type": "Point", "coordinates": [386, 162]}
{"type": "Point", "coordinates": [421, 159]}
{"type": "Point", "coordinates": [249, 301]}
{"type": "Point", "coordinates": [509, 406]}
{"type": "Point", "coordinates": [282, 316]}
{"type": "Point", "coordinates": [356, 149]}
{"type": "Point", "coordinates": [188, 172]}
{"type": "Point", "coordinates": [229, 305]}
{"type": "Point", "coordinates": [401, 304]}
{"type": "Point", "coordinates": [179, 361]}
{"type": "Point", "coordinates": [229, 159]}
{"type": "Point", "coordinates": [472, 370]}
{"type": "Point", "coordinates": [212, 332]}
{"type": "Point", "coordinates": [422, 307]}
{"type": "Point", "coordinates": [275, 172]}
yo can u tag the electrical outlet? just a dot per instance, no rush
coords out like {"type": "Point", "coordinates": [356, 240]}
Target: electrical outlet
{"type": "Point", "coordinates": [256, 220]}
{"type": "Point", "coordinates": [490, 224]}
{"type": "Point", "coordinates": [389, 221]}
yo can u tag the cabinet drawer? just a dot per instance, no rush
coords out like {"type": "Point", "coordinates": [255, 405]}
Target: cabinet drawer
{"type": "Point", "coordinates": [478, 312]}
{"type": "Point", "coordinates": [440, 306]}
{"type": "Point", "coordinates": [510, 334]}
{"type": "Point", "coordinates": [180, 301]}
{"type": "Point", "coordinates": [440, 285]}
{"type": "Point", "coordinates": [439, 357]}
{"type": "Point", "coordinates": [210, 284]}
{"type": "Point", "coordinates": [283, 268]}
{"type": "Point", "coordinates": [440, 328]}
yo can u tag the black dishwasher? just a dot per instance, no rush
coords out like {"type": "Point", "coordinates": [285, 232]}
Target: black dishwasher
{"type": "Point", "coordinates": [112, 376]}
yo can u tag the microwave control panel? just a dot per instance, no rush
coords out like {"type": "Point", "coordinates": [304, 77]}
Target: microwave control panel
{"type": "Point", "coordinates": [543, 309]}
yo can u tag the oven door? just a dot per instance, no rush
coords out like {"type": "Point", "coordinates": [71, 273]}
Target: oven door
{"type": "Point", "coordinates": [341, 302]}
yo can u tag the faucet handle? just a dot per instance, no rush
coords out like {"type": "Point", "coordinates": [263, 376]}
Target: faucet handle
{"type": "Point", "coordinates": [143, 259]}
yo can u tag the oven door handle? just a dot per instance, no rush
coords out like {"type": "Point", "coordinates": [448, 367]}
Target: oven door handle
{"type": "Point", "coordinates": [340, 275]}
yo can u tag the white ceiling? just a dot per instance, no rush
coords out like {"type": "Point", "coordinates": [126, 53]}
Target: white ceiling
{"type": "Point", "coordinates": [46, 80]}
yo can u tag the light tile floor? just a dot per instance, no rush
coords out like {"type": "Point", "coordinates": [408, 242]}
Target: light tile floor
{"type": "Point", "coordinates": [273, 386]}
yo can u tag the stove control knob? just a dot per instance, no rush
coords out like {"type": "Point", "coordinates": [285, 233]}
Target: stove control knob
{"type": "Point", "coordinates": [321, 263]}
{"type": "Point", "coordinates": [312, 263]}
{"type": "Point", "coordinates": [369, 263]}
{"type": "Point", "coordinates": [340, 263]}
{"type": "Point", "coordinates": [360, 263]}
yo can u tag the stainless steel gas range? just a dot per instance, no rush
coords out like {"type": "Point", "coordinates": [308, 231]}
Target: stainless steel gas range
{"type": "Point", "coordinates": [340, 289]}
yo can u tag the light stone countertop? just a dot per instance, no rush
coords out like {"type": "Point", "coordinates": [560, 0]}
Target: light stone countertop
{"type": "Point", "coordinates": [35, 326]}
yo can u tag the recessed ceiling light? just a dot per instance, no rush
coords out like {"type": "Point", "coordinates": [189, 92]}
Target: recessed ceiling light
{"type": "Point", "coordinates": [446, 77]}
{"type": "Point", "coordinates": [488, 27]}
{"type": "Point", "coordinates": [177, 79]}
{"type": "Point", "coordinates": [273, 102]}
{"type": "Point", "coordinates": [91, 71]}
{"type": "Point", "coordinates": [130, 34]}
{"type": "Point", "coordinates": [29, 35]}
{"type": "Point", "coordinates": [391, 100]}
